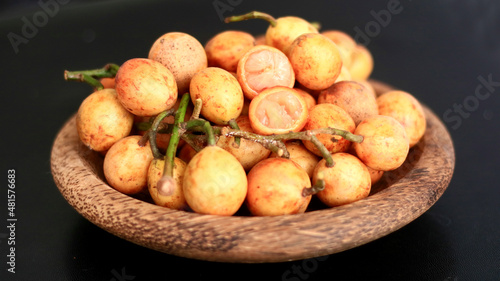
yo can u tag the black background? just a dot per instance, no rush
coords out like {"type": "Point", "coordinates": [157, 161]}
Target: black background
{"type": "Point", "coordinates": [437, 50]}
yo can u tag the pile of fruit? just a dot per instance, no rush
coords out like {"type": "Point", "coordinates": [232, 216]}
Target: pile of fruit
{"type": "Point", "coordinates": [261, 123]}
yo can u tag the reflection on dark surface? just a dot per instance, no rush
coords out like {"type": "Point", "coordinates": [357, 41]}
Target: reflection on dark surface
{"type": "Point", "coordinates": [430, 255]}
{"type": "Point", "coordinates": [96, 253]}
{"type": "Point", "coordinates": [93, 253]}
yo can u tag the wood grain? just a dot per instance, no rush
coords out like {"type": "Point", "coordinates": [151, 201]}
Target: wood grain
{"type": "Point", "coordinates": [399, 198]}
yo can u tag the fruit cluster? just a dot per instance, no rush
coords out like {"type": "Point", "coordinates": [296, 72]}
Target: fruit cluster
{"type": "Point", "coordinates": [256, 122]}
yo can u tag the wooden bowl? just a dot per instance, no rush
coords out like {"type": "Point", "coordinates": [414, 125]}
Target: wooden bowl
{"type": "Point", "coordinates": [400, 197]}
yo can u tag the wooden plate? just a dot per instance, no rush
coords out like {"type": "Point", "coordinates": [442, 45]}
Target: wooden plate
{"type": "Point", "coordinates": [399, 198]}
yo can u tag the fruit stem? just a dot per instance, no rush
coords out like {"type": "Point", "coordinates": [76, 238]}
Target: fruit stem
{"type": "Point", "coordinates": [234, 125]}
{"type": "Point", "coordinates": [197, 109]}
{"type": "Point", "coordinates": [318, 186]}
{"type": "Point", "coordinates": [112, 68]}
{"type": "Point", "coordinates": [92, 76]}
{"type": "Point", "coordinates": [305, 135]}
{"type": "Point", "coordinates": [162, 129]}
{"type": "Point", "coordinates": [194, 141]}
{"type": "Point", "coordinates": [174, 137]}
{"type": "Point", "coordinates": [154, 130]}
{"type": "Point", "coordinates": [210, 133]}
{"type": "Point", "coordinates": [324, 151]}
{"type": "Point", "coordinates": [252, 15]}
{"type": "Point", "coordinates": [107, 71]}
{"type": "Point", "coordinates": [81, 77]}
{"type": "Point", "coordinates": [344, 134]}
{"type": "Point", "coordinates": [204, 125]}
{"type": "Point", "coordinates": [272, 142]}
{"type": "Point", "coordinates": [276, 146]}
{"type": "Point", "coordinates": [309, 135]}
{"type": "Point", "coordinates": [316, 24]}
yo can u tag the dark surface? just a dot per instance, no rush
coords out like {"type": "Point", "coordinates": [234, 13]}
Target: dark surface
{"type": "Point", "coordinates": [436, 50]}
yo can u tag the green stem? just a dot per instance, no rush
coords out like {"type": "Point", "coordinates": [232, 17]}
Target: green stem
{"type": "Point", "coordinates": [81, 77]}
{"type": "Point", "coordinates": [164, 128]}
{"type": "Point", "coordinates": [234, 125]}
{"type": "Point", "coordinates": [108, 71]}
{"type": "Point", "coordinates": [316, 24]}
{"type": "Point", "coordinates": [174, 137]}
{"type": "Point", "coordinates": [195, 125]}
{"type": "Point", "coordinates": [252, 15]}
{"type": "Point", "coordinates": [275, 143]}
{"type": "Point", "coordinates": [304, 135]}
{"type": "Point", "coordinates": [112, 68]}
{"type": "Point", "coordinates": [92, 76]}
{"type": "Point", "coordinates": [324, 151]}
{"type": "Point", "coordinates": [154, 130]}
{"type": "Point", "coordinates": [203, 125]}
{"type": "Point", "coordinates": [318, 186]}
{"type": "Point", "coordinates": [210, 133]}
{"type": "Point", "coordinates": [142, 126]}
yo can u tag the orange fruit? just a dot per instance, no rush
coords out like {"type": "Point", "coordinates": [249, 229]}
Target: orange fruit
{"type": "Point", "coordinates": [405, 108]}
{"type": "Point", "coordinates": [226, 48]}
{"type": "Point", "coordinates": [264, 67]}
{"type": "Point", "coordinates": [329, 115]}
{"type": "Point", "coordinates": [385, 145]}
{"type": "Point", "coordinates": [275, 187]}
{"type": "Point", "coordinates": [361, 66]}
{"type": "Point", "coordinates": [346, 182]}
{"type": "Point", "coordinates": [316, 61]}
{"type": "Point", "coordinates": [182, 54]}
{"type": "Point", "coordinates": [278, 110]}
